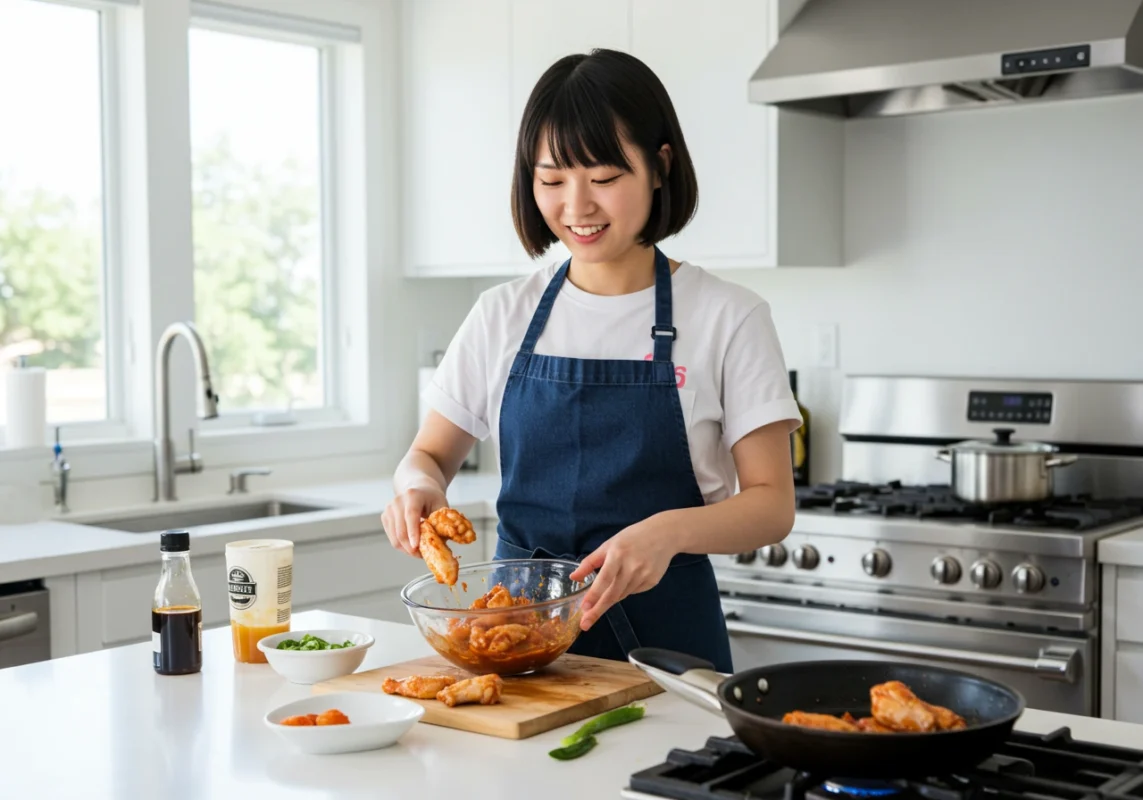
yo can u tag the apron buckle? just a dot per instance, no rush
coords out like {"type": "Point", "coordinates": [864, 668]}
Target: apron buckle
{"type": "Point", "coordinates": [665, 330]}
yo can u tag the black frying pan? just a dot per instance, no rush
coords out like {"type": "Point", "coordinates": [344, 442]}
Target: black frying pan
{"type": "Point", "coordinates": [755, 701]}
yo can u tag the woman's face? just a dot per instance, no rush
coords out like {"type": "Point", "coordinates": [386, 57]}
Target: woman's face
{"type": "Point", "coordinates": [597, 212]}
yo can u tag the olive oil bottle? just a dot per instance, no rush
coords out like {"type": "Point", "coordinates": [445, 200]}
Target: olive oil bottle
{"type": "Point", "coordinates": [800, 439]}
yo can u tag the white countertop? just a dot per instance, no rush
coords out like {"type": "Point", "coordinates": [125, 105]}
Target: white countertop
{"type": "Point", "coordinates": [63, 547]}
{"type": "Point", "coordinates": [104, 725]}
{"type": "Point", "coordinates": [1125, 550]}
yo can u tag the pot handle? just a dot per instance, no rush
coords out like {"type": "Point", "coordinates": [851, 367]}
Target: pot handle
{"type": "Point", "coordinates": [1060, 461]}
{"type": "Point", "coordinates": [691, 678]}
{"type": "Point", "coordinates": [945, 455]}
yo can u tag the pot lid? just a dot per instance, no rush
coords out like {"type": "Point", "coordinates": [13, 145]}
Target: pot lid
{"type": "Point", "coordinates": [1002, 444]}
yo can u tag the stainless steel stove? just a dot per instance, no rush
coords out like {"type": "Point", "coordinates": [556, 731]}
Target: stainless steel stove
{"type": "Point", "coordinates": [1026, 767]}
{"type": "Point", "coordinates": [888, 561]}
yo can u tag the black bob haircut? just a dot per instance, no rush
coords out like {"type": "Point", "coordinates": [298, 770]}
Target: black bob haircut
{"type": "Point", "coordinates": [587, 105]}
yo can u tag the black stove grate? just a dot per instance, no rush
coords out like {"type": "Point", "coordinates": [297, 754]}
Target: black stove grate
{"type": "Point", "coordinates": [1027, 767]}
{"type": "Point", "coordinates": [894, 499]}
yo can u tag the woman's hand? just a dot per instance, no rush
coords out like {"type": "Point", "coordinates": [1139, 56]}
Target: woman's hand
{"type": "Point", "coordinates": [402, 517]}
{"type": "Point", "coordinates": [632, 561]}
{"type": "Point", "coordinates": [421, 478]}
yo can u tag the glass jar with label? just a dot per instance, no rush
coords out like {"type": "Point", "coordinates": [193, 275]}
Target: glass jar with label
{"type": "Point", "coordinates": [259, 582]}
{"type": "Point", "coordinates": [176, 610]}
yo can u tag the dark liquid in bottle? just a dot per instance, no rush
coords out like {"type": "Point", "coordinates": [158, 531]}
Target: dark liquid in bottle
{"type": "Point", "coordinates": [176, 639]}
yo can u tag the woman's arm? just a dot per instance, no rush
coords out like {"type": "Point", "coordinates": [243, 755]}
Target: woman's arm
{"type": "Point", "coordinates": [761, 513]}
{"type": "Point", "coordinates": [635, 559]}
{"type": "Point", "coordinates": [422, 479]}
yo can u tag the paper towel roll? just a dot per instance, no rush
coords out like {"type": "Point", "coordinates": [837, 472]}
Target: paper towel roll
{"type": "Point", "coordinates": [26, 420]}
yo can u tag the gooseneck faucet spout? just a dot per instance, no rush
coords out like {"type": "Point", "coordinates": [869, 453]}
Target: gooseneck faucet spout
{"type": "Point", "coordinates": [167, 462]}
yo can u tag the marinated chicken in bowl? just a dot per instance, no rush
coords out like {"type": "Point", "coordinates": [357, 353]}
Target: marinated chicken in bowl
{"type": "Point", "coordinates": [506, 617]}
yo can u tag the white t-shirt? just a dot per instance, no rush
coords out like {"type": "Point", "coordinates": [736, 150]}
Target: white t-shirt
{"type": "Point", "coordinates": [730, 370]}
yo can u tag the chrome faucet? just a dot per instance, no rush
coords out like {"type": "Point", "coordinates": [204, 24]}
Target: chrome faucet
{"type": "Point", "coordinates": [167, 462]}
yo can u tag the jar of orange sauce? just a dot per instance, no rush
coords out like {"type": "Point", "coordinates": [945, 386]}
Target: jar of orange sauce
{"type": "Point", "coordinates": [260, 582]}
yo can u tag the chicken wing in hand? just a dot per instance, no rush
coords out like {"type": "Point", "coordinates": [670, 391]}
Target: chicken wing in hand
{"type": "Point", "coordinates": [895, 706]}
{"type": "Point", "coordinates": [422, 687]}
{"type": "Point", "coordinates": [483, 689]}
{"type": "Point", "coordinates": [440, 560]}
{"type": "Point", "coordinates": [825, 721]}
{"type": "Point", "coordinates": [451, 524]}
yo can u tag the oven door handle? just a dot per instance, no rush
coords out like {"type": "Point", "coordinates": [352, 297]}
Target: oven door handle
{"type": "Point", "coordinates": [17, 625]}
{"type": "Point", "coordinates": [1056, 663]}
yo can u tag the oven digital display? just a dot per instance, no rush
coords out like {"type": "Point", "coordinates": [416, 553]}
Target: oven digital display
{"type": "Point", "coordinates": [1025, 407]}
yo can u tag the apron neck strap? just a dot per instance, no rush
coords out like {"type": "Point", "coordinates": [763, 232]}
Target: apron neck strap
{"type": "Point", "coordinates": [663, 332]}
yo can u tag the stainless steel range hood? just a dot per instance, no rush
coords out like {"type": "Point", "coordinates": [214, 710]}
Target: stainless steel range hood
{"type": "Point", "coordinates": [867, 58]}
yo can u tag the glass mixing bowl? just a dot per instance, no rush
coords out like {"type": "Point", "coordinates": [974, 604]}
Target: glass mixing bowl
{"type": "Point", "coordinates": [537, 628]}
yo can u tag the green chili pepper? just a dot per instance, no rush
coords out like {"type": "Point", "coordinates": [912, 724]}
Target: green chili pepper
{"type": "Point", "coordinates": [574, 750]}
{"type": "Point", "coordinates": [609, 719]}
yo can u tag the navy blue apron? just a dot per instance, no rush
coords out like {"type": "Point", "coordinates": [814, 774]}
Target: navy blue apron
{"type": "Point", "coordinates": [591, 446]}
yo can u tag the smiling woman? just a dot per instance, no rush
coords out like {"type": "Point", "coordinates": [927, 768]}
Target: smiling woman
{"type": "Point", "coordinates": [630, 394]}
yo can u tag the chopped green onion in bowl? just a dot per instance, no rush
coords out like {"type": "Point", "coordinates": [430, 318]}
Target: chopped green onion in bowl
{"type": "Point", "coordinates": [309, 642]}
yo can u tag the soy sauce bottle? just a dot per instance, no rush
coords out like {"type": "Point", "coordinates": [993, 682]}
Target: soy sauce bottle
{"type": "Point", "coordinates": [176, 610]}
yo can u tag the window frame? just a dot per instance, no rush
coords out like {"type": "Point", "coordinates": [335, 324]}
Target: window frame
{"type": "Point", "coordinates": [328, 356]}
{"type": "Point", "coordinates": [143, 296]}
{"type": "Point", "coordinates": [114, 425]}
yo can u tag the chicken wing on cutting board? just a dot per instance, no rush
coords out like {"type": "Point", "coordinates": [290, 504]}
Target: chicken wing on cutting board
{"type": "Point", "coordinates": [422, 687]}
{"type": "Point", "coordinates": [483, 689]}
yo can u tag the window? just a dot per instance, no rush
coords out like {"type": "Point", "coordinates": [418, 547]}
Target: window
{"type": "Point", "coordinates": [259, 223]}
{"type": "Point", "coordinates": [52, 265]}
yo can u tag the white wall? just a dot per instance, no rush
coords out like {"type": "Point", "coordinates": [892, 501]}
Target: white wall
{"type": "Point", "coordinates": [999, 242]}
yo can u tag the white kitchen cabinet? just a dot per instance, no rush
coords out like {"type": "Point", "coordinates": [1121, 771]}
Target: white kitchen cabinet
{"type": "Point", "coordinates": [359, 572]}
{"type": "Point", "coordinates": [543, 32]}
{"type": "Point", "coordinates": [743, 152]}
{"type": "Point", "coordinates": [770, 182]}
{"type": "Point", "coordinates": [458, 137]}
{"type": "Point", "coordinates": [1121, 645]}
{"type": "Point", "coordinates": [385, 606]}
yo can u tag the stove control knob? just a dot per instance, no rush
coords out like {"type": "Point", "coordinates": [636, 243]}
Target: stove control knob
{"type": "Point", "coordinates": [773, 555]}
{"type": "Point", "coordinates": [745, 558]}
{"type": "Point", "coordinates": [805, 557]}
{"type": "Point", "coordinates": [1028, 578]}
{"type": "Point", "coordinates": [985, 574]}
{"type": "Point", "coordinates": [876, 563]}
{"type": "Point", "coordinates": [945, 569]}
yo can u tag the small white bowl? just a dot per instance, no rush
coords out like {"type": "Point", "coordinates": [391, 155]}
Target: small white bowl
{"type": "Point", "coordinates": [375, 721]}
{"type": "Point", "coordinates": [314, 666]}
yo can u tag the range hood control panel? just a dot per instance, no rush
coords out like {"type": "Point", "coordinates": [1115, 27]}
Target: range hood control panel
{"type": "Point", "coordinates": [1057, 58]}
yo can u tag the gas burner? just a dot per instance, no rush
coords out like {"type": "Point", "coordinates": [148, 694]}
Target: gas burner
{"type": "Point", "coordinates": [851, 787]}
{"type": "Point", "coordinates": [1026, 767]}
{"type": "Point", "coordinates": [893, 499]}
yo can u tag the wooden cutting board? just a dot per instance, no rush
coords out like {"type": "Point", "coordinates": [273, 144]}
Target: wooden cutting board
{"type": "Point", "coordinates": [572, 689]}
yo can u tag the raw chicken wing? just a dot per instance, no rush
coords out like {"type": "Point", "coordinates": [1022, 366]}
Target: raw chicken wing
{"type": "Point", "coordinates": [440, 560]}
{"type": "Point", "coordinates": [826, 721]}
{"type": "Point", "coordinates": [484, 689]}
{"type": "Point", "coordinates": [895, 706]}
{"type": "Point", "coordinates": [496, 597]}
{"type": "Point", "coordinates": [422, 687]}
{"type": "Point", "coordinates": [451, 524]}
{"type": "Point", "coordinates": [500, 639]}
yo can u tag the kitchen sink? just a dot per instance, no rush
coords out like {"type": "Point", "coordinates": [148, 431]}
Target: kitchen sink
{"type": "Point", "coordinates": [191, 518]}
